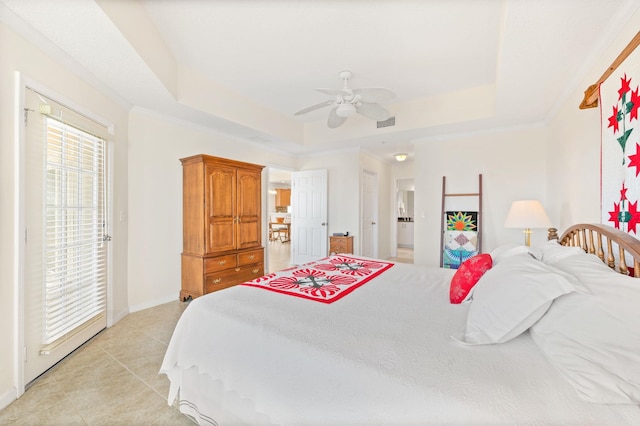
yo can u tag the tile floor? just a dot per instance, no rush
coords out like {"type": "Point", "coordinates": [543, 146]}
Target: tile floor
{"type": "Point", "coordinates": [279, 255]}
{"type": "Point", "coordinates": [405, 255]}
{"type": "Point", "coordinates": [113, 379]}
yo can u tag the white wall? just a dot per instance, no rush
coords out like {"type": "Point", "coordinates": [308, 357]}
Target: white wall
{"type": "Point", "coordinates": [513, 167]}
{"type": "Point", "coordinates": [16, 54]}
{"type": "Point", "coordinates": [156, 145]}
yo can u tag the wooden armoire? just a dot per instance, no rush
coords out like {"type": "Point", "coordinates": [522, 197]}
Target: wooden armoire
{"type": "Point", "coordinates": [222, 224]}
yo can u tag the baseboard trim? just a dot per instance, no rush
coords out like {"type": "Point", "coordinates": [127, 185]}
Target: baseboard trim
{"type": "Point", "coordinates": [152, 303]}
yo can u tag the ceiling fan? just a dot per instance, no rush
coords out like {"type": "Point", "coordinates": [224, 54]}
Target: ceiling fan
{"type": "Point", "coordinates": [348, 101]}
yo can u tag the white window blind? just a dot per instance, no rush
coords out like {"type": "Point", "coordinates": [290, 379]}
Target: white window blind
{"type": "Point", "coordinates": [75, 252]}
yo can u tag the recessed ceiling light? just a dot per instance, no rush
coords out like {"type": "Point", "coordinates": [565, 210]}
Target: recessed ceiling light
{"type": "Point", "coordinates": [401, 156]}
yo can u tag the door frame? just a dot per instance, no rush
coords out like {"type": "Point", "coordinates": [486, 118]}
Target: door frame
{"type": "Point", "coordinates": [394, 213]}
{"type": "Point", "coordinates": [21, 83]}
{"type": "Point", "coordinates": [265, 212]}
{"type": "Point", "coordinates": [375, 211]}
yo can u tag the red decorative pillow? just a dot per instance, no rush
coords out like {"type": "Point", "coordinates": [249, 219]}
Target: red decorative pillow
{"type": "Point", "coordinates": [467, 275]}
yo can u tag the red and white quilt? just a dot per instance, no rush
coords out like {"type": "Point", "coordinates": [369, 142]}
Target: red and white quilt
{"type": "Point", "coordinates": [325, 280]}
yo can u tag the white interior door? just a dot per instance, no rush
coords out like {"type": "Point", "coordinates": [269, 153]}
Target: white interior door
{"type": "Point", "coordinates": [309, 215]}
{"type": "Point", "coordinates": [65, 240]}
{"type": "Point", "coordinates": [369, 214]}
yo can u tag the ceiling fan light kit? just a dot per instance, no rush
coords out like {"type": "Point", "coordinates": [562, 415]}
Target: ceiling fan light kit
{"type": "Point", "coordinates": [345, 110]}
{"type": "Point", "coordinates": [346, 102]}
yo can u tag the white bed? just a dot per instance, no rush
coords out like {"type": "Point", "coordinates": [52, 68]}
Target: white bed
{"type": "Point", "coordinates": [387, 353]}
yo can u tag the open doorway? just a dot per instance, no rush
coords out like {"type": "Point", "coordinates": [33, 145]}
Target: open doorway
{"type": "Point", "coordinates": [405, 216]}
{"type": "Point", "coordinates": [279, 219]}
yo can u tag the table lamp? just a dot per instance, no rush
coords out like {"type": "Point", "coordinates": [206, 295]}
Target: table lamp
{"type": "Point", "coordinates": [527, 214]}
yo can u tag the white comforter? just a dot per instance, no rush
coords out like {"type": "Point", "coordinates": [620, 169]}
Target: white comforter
{"type": "Point", "coordinates": [381, 355]}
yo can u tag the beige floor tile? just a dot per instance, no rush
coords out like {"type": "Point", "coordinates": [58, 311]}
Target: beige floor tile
{"type": "Point", "coordinates": [93, 398]}
{"type": "Point", "coordinates": [279, 255]}
{"type": "Point", "coordinates": [128, 350]}
{"type": "Point", "coordinates": [147, 369]}
{"type": "Point", "coordinates": [60, 414]}
{"type": "Point", "coordinates": [43, 395]}
{"type": "Point", "coordinates": [88, 377]}
{"type": "Point", "coordinates": [174, 418]}
{"type": "Point", "coordinates": [405, 255]}
{"type": "Point", "coordinates": [138, 407]}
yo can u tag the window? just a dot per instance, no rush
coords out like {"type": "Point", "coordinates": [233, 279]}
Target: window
{"type": "Point", "coordinates": [74, 229]}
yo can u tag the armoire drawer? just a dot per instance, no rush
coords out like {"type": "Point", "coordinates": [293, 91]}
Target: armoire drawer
{"type": "Point", "coordinates": [249, 257]}
{"type": "Point", "coordinates": [223, 279]}
{"type": "Point", "coordinates": [220, 263]}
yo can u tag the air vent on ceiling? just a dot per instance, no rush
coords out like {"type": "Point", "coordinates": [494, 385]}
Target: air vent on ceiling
{"type": "Point", "coordinates": [391, 121]}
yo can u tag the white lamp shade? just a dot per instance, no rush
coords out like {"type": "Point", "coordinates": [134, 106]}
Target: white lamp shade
{"type": "Point", "coordinates": [527, 214]}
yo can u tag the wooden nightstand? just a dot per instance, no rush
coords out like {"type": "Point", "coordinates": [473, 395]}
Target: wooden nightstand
{"type": "Point", "coordinates": [340, 244]}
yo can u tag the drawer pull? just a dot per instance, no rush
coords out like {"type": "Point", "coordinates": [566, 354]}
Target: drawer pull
{"type": "Point", "coordinates": [255, 270]}
{"type": "Point", "coordinates": [252, 256]}
{"type": "Point", "coordinates": [237, 269]}
{"type": "Point", "coordinates": [222, 262]}
{"type": "Point", "coordinates": [217, 281]}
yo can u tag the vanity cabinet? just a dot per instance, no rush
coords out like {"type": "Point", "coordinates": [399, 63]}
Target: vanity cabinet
{"type": "Point", "coordinates": [222, 232]}
{"type": "Point", "coordinates": [405, 234]}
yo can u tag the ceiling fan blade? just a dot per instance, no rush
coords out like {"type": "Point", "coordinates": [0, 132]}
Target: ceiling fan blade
{"type": "Point", "coordinates": [334, 92]}
{"type": "Point", "coordinates": [334, 119]}
{"type": "Point", "coordinates": [374, 94]}
{"type": "Point", "coordinates": [314, 107]}
{"type": "Point", "coordinates": [373, 111]}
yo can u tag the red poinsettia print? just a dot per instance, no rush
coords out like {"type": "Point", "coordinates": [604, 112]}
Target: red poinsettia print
{"type": "Point", "coordinates": [634, 217]}
{"type": "Point", "coordinates": [614, 216]}
{"type": "Point", "coordinates": [312, 281]}
{"type": "Point", "coordinates": [625, 212]}
{"type": "Point", "coordinates": [635, 101]}
{"type": "Point", "coordinates": [321, 291]}
{"type": "Point", "coordinates": [623, 193]}
{"type": "Point", "coordinates": [625, 86]}
{"type": "Point", "coordinates": [634, 160]}
{"type": "Point", "coordinates": [613, 120]}
{"type": "Point", "coordinates": [325, 280]}
{"type": "Point", "coordinates": [264, 278]}
{"type": "Point", "coordinates": [348, 266]}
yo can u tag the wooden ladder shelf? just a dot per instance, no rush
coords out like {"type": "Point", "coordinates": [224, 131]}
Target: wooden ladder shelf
{"type": "Point", "coordinates": [443, 213]}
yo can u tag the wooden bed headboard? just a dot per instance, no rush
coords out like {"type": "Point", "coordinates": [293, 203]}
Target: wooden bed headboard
{"type": "Point", "coordinates": [596, 238]}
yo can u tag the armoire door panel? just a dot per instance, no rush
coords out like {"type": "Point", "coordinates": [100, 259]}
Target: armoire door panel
{"type": "Point", "coordinates": [221, 237]}
{"type": "Point", "coordinates": [249, 208]}
{"type": "Point", "coordinates": [248, 194]}
{"type": "Point", "coordinates": [220, 207]}
{"type": "Point", "coordinates": [249, 234]}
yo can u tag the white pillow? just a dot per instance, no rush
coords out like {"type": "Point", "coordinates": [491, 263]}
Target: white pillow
{"type": "Point", "coordinates": [512, 296]}
{"type": "Point", "coordinates": [507, 250]}
{"type": "Point", "coordinates": [594, 340]}
{"type": "Point", "coordinates": [551, 252]}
